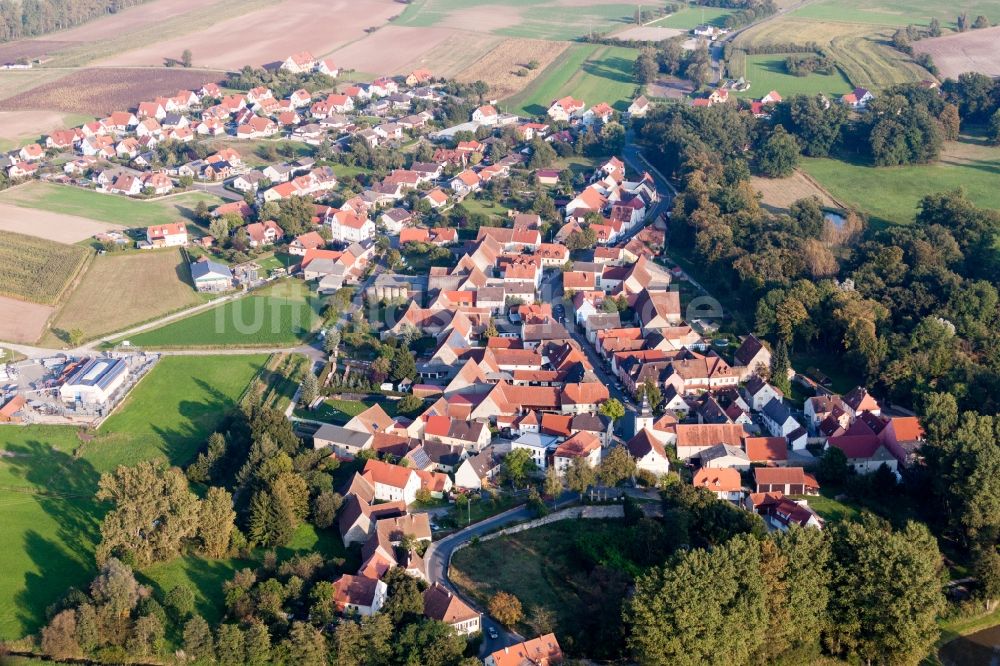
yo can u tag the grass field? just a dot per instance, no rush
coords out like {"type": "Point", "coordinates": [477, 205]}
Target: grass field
{"type": "Point", "coordinates": [105, 207]}
{"type": "Point", "coordinates": [517, 18]}
{"type": "Point", "coordinates": [283, 314]}
{"type": "Point", "coordinates": [861, 50]}
{"type": "Point", "coordinates": [691, 17]}
{"type": "Point", "coordinates": [767, 72]}
{"type": "Point", "coordinates": [537, 566]}
{"type": "Point", "coordinates": [588, 72]}
{"type": "Point", "coordinates": [123, 290]}
{"type": "Point", "coordinates": [896, 12]}
{"type": "Point", "coordinates": [890, 195]}
{"type": "Point", "coordinates": [48, 476]}
{"type": "Point", "coordinates": [37, 270]}
{"type": "Point", "coordinates": [14, 137]}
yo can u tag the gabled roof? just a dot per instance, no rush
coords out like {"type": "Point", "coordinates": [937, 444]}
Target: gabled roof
{"type": "Point", "coordinates": [718, 479]}
{"type": "Point", "coordinates": [783, 476]}
{"type": "Point", "coordinates": [766, 449]}
{"type": "Point", "coordinates": [643, 443]}
{"type": "Point", "coordinates": [440, 604]}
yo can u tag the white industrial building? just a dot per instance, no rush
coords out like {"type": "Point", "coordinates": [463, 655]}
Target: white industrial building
{"type": "Point", "coordinates": [94, 381]}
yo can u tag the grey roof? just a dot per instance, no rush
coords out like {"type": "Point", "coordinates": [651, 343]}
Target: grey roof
{"type": "Point", "coordinates": [98, 372]}
{"type": "Point", "coordinates": [210, 270]}
{"type": "Point", "coordinates": [721, 451]}
{"type": "Point", "coordinates": [325, 266]}
{"type": "Point", "coordinates": [589, 422]}
{"type": "Point", "coordinates": [536, 440]}
{"type": "Point", "coordinates": [777, 411]}
{"type": "Point", "coordinates": [443, 454]}
{"type": "Point", "coordinates": [549, 331]}
{"type": "Point", "coordinates": [340, 435]}
{"type": "Point", "coordinates": [397, 214]}
{"type": "Point", "coordinates": [483, 462]}
{"type": "Point", "coordinates": [418, 457]}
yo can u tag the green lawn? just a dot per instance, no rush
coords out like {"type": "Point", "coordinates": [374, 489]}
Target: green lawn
{"type": "Point", "coordinates": [767, 72]}
{"type": "Point", "coordinates": [284, 314]}
{"type": "Point", "coordinates": [890, 194]}
{"type": "Point", "coordinates": [48, 477]}
{"type": "Point", "coordinates": [896, 12]}
{"type": "Point", "coordinates": [690, 18]}
{"type": "Point", "coordinates": [105, 207]}
{"type": "Point", "coordinates": [829, 508]}
{"type": "Point", "coordinates": [537, 19]}
{"type": "Point", "coordinates": [589, 72]}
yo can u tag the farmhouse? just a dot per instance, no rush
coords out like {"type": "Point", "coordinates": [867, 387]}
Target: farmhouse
{"type": "Point", "coordinates": [94, 381]}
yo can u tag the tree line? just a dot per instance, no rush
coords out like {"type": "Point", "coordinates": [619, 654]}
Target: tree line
{"type": "Point", "coordinates": [31, 18]}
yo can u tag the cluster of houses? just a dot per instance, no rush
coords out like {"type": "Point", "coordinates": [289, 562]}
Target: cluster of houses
{"type": "Point", "coordinates": [857, 100]}
{"type": "Point", "coordinates": [571, 110]}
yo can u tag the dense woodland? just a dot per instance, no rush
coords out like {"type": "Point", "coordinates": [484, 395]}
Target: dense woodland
{"type": "Point", "coordinates": [31, 18]}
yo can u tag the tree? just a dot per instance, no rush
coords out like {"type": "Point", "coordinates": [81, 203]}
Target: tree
{"type": "Point", "coordinates": [951, 121]}
{"type": "Point", "coordinates": [780, 365]}
{"type": "Point", "coordinates": [645, 67]}
{"type": "Point", "coordinates": [309, 390]}
{"type": "Point", "coordinates": [780, 154]}
{"type": "Point", "coordinates": [517, 465]}
{"type": "Point", "coordinates": [404, 602]}
{"type": "Point", "coordinates": [272, 520]}
{"type": "Point", "coordinates": [332, 341]}
{"type": "Point", "coordinates": [651, 393]}
{"type": "Point", "coordinates": [410, 404]}
{"type": "Point", "coordinates": [59, 637]}
{"type": "Point", "coordinates": [305, 646]}
{"type": "Point", "coordinates": [230, 646]}
{"type": "Point", "coordinates": [216, 522]}
{"type": "Point", "coordinates": [722, 588]}
{"type": "Point", "coordinates": [74, 337]}
{"type": "Point", "coordinates": [553, 486]}
{"type": "Point", "coordinates": [833, 467]}
{"type": "Point", "coordinates": [580, 475]}
{"type": "Point", "coordinates": [491, 330]}
{"type": "Point", "coordinates": [154, 513]}
{"type": "Point", "coordinates": [986, 566]}
{"type": "Point", "coordinates": [257, 643]}
{"type": "Point", "coordinates": [962, 22]}
{"type": "Point", "coordinates": [325, 507]}
{"type": "Point", "coordinates": [542, 154]}
{"type": "Point", "coordinates": [180, 602]}
{"type": "Point", "coordinates": [617, 466]}
{"type": "Point", "coordinates": [612, 407]}
{"type": "Point", "coordinates": [934, 28]}
{"type": "Point", "coordinates": [186, 58]}
{"type": "Point", "coordinates": [993, 130]}
{"type": "Point", "coordinates": [874, 617]}
{"type": "Point", "coordinates": [198, 643]}
{"type": "Point", "coordinates": [147, 636]}
{"type": "Point", "coordinates": [981, 22]}
{"type": "Point", "coordinates": [506, 609]}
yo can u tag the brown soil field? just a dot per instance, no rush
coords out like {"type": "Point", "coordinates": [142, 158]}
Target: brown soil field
{"type": "Point", "coordinates": [21, 321]}
{"type": "Point", "coordinates": [649, 33]}
{"type": "Point", "coordinates": [30, 48]}
{"type": "Point", "coordinates": [99, 91]}
{"type": "Point", "coordinates": [973, 51]}
{"type": "Point", "coordinates": [780, 193]}
{"type": "Point", "coordinates": [148, 285]}
{"type": "Point", "coordinates": [401, 49]}
{"type": "Point", "coordinates": [669, 88]}
{"type": "Point", "coordinates": [498, 67]}
{"type": "Point", "coordinates": [269, 34]}
{"type": "Point", "coordinates": [50, 226]}
{"type": "Point", "coordinates": [131, 19]}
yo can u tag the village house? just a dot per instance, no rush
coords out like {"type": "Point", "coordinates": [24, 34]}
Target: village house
{"type": "Point", "coordinates": [786, 480]}
{"type": "Point", "coordinates": [541, 651]}
{"type": "Point", "coordinates": [441, 605]}
{"type": "Point", "coordinates": [359, 594]}
{"type": "Point", "coordinates": [167, 235]}
{"type": "Point", "coordinates": [724, 482]}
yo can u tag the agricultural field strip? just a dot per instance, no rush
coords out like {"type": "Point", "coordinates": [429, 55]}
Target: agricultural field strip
{"type": "Point", "coordinates": [37, 270]}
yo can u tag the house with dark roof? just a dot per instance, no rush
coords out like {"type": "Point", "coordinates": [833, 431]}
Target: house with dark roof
{"type": "Point", "coordinates": [649, 452]}
{"type": "Point", "coordinates": [478, 471]}
{"type": "Point", "coordinates": [752, 356]}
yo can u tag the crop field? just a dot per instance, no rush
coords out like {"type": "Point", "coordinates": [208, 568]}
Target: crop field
{"type": "Point", "coordinates": [401, 49]}
{"type": "Point", "coordinates": [591, 73]}
{"type": "Point", "coordinates": [69, 200]}
{"type": "Point", "coordinates": [780, 193]}
{"type": "Point", "coordinates": [767, 72]}
{"type": "Point", "coordinates": [500, 67]}
{"type": "Point", "coordinates": [37, 270]}
{"type": "Point", "coordinates": [896, 12]}
{"type": "Point", "coordinates": [147, 285]}
{"type": "Point", "coordinates": [51, 521]}
{"type": "Point", "coordinates": [20, 127]}
{"type": "Point", "coordinates": [546, 19]}
{"type": "Point", "coordinates": [282, 315]}
{"type": "Point", "coordinates": [860, 50]}
{"type": "Point", "coordinates": [99, 91]}
{"type": "Point", "coordinates": [973, 51]}
{"type": "Point", "coordinates": [890, 195]}
{"type": "Point", "coordinates": [57, 227]}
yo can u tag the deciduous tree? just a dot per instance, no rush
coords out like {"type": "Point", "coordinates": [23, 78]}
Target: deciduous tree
{"type": "Point", "coordinates": [506, 609]}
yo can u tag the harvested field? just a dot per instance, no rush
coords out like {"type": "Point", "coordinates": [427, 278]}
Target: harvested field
{"type": "Point", "coordinates": [780, 193]}
{"type": "Point", "coordinates": [147, 285]}
{"type": "Point", "coordinates": [21, 321]}
{"type": "Point", "coordinates": [20, 127]}
{"type": "Point", "coordinates": [400, 50]}
{"type": "Point", "coordinates": [649, 33]}
{"type": "Point", "coordinates": [270, 33]}
{"type": "Point", "coordinates": [15, 81]}
{"type": "Point", "coordinates": [498, 67]}
{"type": "Point", "coordinates": [37, 270]}
{"type": "Point", "coordinates": [30, 48]}
{"type": "Point", "coordinates": [99, 91]}
{"type": "Point", "coordinates": [973, 51]}
{"type": "Point", "coordinates": [55, 227]}
{"type": "Point", "coordinates": [862, 51]}
{"type": "Point", "coordinates": [452, 55]}
{"type": "Point", "coordinates": [896, 12]}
